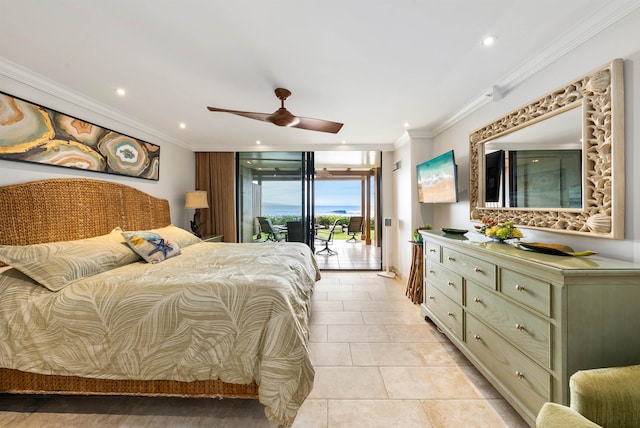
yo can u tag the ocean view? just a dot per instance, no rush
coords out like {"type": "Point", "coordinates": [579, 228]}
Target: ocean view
{"type": "Point", "coordinates": [281, 209]}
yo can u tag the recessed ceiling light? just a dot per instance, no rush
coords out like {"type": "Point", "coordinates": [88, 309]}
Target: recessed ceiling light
{"type": "Point", "coordinates": [489, 40]}
{"type": "Point", "coordinates": [406, 124]}
{"type": "Point", "coordinates": [121, 92]}
{"type": "Point", "coordinates": [258, 142]}
{"type": "Point", "coordinates": [344, 141]}
{"type": "Point", "coordinates": [183, 125]}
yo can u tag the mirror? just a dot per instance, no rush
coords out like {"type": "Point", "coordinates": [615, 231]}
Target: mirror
{"type": "Point", "coordinates": [530, 166]}
{"type": "Point", "coordinates": [539, 166]}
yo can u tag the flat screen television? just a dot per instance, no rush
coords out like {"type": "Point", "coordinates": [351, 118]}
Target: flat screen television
{"type": "Point", "coordinates": [438, 179]}
{"type": "Point", "coordinates": [494, 167]}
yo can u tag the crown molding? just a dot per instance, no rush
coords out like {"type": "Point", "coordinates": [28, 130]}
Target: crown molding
{"type": "Point", "coordinates": [420, 133]}
{"type": "Point", "coordinates": [599, 20]}
{"type": "Point", "coordinates": [412, 135]}
{"type": "Point", "coordinates": [296, 148]}
{"type": "Point", "coordinates": [40, 83]}
{"type": "Point", "coordinates": [402, 140]}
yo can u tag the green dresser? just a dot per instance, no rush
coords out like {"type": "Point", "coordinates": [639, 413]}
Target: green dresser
{"type": "Point", "coordinates": [528, 321]}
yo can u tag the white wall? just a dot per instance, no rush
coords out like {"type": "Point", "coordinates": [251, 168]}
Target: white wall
{"type": "Point", "coordinates": [408, 213]}
{"type": "Point", "coordinates": [177, 164]}
{"type": "Point", "coordinates": [619, 41]}
{"type": "Point", "coordinates": [402, 208]}
{"type": "Point", "coordinates": [388, 203]}
{"type": "Point", "coordinates": [421, 151]}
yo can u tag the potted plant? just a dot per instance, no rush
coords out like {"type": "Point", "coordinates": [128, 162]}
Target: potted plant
{"type": "Point", "coordinates": [416, 233]}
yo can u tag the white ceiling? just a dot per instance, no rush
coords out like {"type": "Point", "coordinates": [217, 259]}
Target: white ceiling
{"type": "Point", "coordinates": [371, 64]}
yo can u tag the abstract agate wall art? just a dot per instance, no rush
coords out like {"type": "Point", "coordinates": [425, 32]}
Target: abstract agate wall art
{"type": "Point", "coordinates": [32, 133]}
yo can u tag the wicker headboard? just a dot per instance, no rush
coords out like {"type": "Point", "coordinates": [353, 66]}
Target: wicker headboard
{"type": "Point", "coordinates": [65, 209]}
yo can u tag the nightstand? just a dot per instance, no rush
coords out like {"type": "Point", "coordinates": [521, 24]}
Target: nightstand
{"type": "Point", "coordinates": [213, 238]}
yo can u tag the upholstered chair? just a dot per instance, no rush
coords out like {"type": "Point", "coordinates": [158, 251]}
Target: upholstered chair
{"type": "Point", "coordinates": [607, 397]}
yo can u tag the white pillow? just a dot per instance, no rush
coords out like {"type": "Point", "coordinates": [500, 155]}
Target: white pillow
{"type": "Point", "coordinates": [57, 264]}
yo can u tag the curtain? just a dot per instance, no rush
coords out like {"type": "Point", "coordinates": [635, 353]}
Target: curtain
{"type": "Point", "coordinates": [215, 173]}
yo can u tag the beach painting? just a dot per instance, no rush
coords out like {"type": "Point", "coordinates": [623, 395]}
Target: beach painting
{"type": "Point", "coordinates": [437, 179]}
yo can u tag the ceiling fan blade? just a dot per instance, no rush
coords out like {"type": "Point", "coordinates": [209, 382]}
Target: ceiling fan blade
{"type": "Point", "coordinates": [318, 125]}
{"type": "Point", "coordinates": [251, 115]}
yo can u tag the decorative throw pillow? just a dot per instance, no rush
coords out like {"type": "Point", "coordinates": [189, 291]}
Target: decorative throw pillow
{"type": "Point", "coordinates": [178, 236]}
{"type": "Point", "coordinates": [57, 264]}
{"type": "Point", "coordinates": [151, 246]}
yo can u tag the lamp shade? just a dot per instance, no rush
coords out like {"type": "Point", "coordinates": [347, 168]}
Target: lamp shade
{"type": "Point", "coordinates": [196, 199]}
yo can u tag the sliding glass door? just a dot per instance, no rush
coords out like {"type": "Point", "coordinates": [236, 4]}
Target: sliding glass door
{"type": "Point", "coordinates": [275, 196]}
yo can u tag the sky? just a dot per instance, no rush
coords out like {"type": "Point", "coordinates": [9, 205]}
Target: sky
{"type": "Point", "coordinates": [333, 192]}
{"type": "Point", "coordinates": [328, 192]}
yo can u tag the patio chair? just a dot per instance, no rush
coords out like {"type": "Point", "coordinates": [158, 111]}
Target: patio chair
{"type": "Point", "coordinates": [354, 227]}
{"type": "Point", "coordinates": [327, 240]}
{"type": "Point", "coordinates": [295, 232]}
{"type": "Point", "coordinates": [273, 233]}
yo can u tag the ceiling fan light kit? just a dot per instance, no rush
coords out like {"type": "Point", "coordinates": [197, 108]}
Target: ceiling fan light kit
{"type": "Point", "coordinates": [283, 117]}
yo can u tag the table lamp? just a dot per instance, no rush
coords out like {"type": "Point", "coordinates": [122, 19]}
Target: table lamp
{"type": "Point", "coordinates": [195, 200]}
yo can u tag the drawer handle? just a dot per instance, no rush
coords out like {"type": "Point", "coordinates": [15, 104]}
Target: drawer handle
{"type": "Point", "coordinates": [450, 314]}
{"type": "Point", "coordinates": [451, 259]}
{"type": "Point", "coordinates": [520, 327]}
{"type": "Point", "coordinates": [432, 250]}
{"type": "Point", "coordinates": [477, 337]}
{"type": "Point", "coordinates": [432, 298]}
{"type": "Point", "coordinates": [433, 272]}
{"type": "Point", "coordinates": [477, 300]}
{"type": "Point", "coordinates": [451, 284]}
{"type": "Point", "coordinates": [519, 374]}
{"type": "Point", "coordinates": [477, 270]}
{"type": "Point", "coordinates": [519, 287]}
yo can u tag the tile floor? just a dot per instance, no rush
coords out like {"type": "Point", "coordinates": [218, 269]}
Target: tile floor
{"type": "Point", "coordinates": [351, 256]}
{"type": "Point", "coordinates": [378, 364]}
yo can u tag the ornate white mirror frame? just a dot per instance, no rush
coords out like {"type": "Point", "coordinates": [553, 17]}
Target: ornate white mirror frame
{"type": "Point", "coordinates": [601, 94]}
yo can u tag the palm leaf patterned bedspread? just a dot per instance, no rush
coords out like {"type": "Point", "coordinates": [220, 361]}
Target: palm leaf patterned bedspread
{"type": "Point", "coordinates": [236, 312]}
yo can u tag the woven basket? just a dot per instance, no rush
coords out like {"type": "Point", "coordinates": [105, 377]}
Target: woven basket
{"type": "Point", "coordinates": [19, 382]}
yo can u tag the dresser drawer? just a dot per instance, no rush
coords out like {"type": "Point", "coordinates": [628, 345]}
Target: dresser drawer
{"type": "Point", "coordinates": [526, 381]}
{"type": "Point", "coordinates": [469, 267]}
{"type": "Point", "coordinates": [447, 312]}
{"type": "Point", "coordinates": [524, 329]}
{"type": "Point", "coordinates": [529, 291]}
{"type": "Point", "coordinates": [432, 251]}
{"type": "Point", "coordinates": [448, 282]}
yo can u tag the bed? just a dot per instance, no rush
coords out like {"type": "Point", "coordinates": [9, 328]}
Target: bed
{"type": "Point", "coordinates": [216, 320]}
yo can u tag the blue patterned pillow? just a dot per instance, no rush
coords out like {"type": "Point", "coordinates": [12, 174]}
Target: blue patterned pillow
{"type": "Point", "coordinates": [151, 246]}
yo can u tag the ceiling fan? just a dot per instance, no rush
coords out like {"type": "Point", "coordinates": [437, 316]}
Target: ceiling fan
{"type": "Point", "coordinates": [282, 116]}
